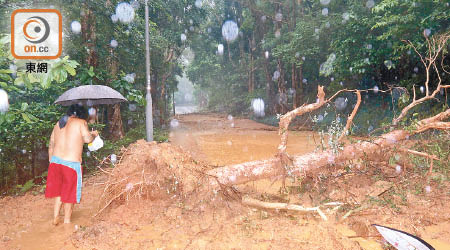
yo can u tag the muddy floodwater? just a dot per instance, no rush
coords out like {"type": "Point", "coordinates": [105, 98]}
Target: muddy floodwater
{"type": "Point", "coordinates": [218, 140]}
{"type": "Point", "coordinates": [221, 140]}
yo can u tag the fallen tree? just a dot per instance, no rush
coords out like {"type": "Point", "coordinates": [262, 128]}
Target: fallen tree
{"type": "Point", "coordinates": [283, 164]}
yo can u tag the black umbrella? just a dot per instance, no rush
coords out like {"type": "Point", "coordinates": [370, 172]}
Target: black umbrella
{"type": "Point", "coordinates": [90, 95]}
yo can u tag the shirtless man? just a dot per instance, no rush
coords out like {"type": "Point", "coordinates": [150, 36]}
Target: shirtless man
{"type": "Point", "coordinates": [64, 178]}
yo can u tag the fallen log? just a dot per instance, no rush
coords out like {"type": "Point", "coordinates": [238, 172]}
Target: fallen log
{"type": "Point", "coordinates": [302, 164]}
{"type": "Point", "coordinates": [281, 206]}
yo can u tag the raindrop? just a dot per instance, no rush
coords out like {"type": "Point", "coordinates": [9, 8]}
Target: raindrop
{"type": "Point", "coordinates": [191, 28]}
{"type": "Point", "coordinates": [88, 154]}
{"type": "Point", "coordinates": [408, 52]}
{"type": "Point", "coordinates": [366, 60]}
{"type": "Point", "coordinates": [129, 186]}
{"type": "Point", "coordinates": [114, 18]}
{"type": "Point", "coordinates": [114, 43]}
{"type": "Point", "coordinates": [135, 4]}
{"type": "Point", "coordinates": [370, 4]}
{"type": "Point", "coordinates": [191, 21]}
{"type": "Point", "coordinates": [174, 123]}
{"type": "Point", "coordinates": [332, 79]}
{"type": "Point", "coordinates": [76, 27]}
{"type": "Point", "coordinates": [229, 143]}
{"type": "Point", "coordinates": [230, 117]}
{"type": "Point", "coordinates": [316, 30]}
{"type": "Point", "coordinates": [441, 91]}
{"type": "Point", "coordinates": [92, 111]}
{"type": "Point", "coordinates": [209, 30]}
{"type": "Point", "coordinates": [198, 3]}
{"type": "Point", "coordinates": [129, 78]}
{"type": "Point", "coordinates": [276, 75]}
{"type": "Point", "coordinates": [24, 151]}
{"type": "Point", "coordinates": [398, 169]}
{"type": "Point", "coordinates": [297, 54]}
{"type": "Point", "coordinates": [388, 64]}
{"type": "Point", "coordinates": [427, 32]}
{"type": "Point", "coordinates": [338, 119]}
{"type": "Point", "coordinates": [325, 2]}
{"type": "Point", "coordinates": [375, 89]}
{"type": "Point", "coordinates": [277, 34]}
{"type": "Point", "coordinates": [230, 30]}
{"type": "Point", "coordinates": [125, 12]}
{"type": "Point", "coordinates": [188, 97]}
{"type": "Point", "coordinates": [340, 103]}
{"type": "Point", "coordinates": [13, 68]}
{"type": "Point", "coordinates": [279, 17]}
{"type": "Point", "coordinates": [397, 157]}
{"type": "Point", "coordinates": [263, 19]}
{"type": "Point", "coordinates": [325, 11]}
{"type": "Point", "coordinates": [428, 189]}
{"type": "Point", "coordinates": [113, 159]}
{"type": "Point", "coordinates": [305, 80]}
{"type": "Point", "coordinates": [232, 125]}
{"type": "Point", "coordinates": [370, 128]}
{"type": "Point", "coordinates": [4, 103]}
{"type": "Point", "coordinates": [130, 121]}
{"type": "Point", "coordinates": [266, 54]}
{"type": "Point", "coordinates": [369, 46]}
{"type": "Point", "coordinates": [303, 58]}
{"type": "Point", "coordinates": [346, 16]}
{"type": "Point", "coordinates": [320, 118]}
{"type": "Point", "coordinates": [416, 69]}
{"type": "Point", "coordinates": [351, 69]}
{"type": "Point", "coordinates": [132, 107]}
{"type": "Point", "coordinates": [220, 49]}
{"type": "Point", "coordinates": [422, 89]}
{"type": "Point", "coordinates": [341, 83]}
{"type": "Point", "coordinates": [183, 37]}
{"type": "Point", "coordinates": [258, 107]}
{"type": "Point", "coordinates": [327, 25]}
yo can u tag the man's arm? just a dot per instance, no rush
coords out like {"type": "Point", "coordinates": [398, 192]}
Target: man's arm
{"type": "Point", "coordinates": [51, 145]}
{"type": "Point", "coordinates": [87, 135]}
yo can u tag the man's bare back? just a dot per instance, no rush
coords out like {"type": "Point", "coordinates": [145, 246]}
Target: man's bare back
{"type": "Point", "coordinates": [67, 142]}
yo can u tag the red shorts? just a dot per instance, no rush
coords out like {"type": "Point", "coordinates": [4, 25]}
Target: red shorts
{"type": "Point", "coordinates": [64, 179]}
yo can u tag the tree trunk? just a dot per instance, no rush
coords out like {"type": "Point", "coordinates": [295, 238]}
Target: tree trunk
{"type": "Point", "coordinates": [268, 85]}
{"type": "Point", "coordinates": [300, 91]}
{"type": "Point", "coordinates": [116, 125]}
{"type": "Point", "coordinates": [294, 85]}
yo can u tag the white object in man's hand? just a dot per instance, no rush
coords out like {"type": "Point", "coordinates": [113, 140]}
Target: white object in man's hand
{"type": "Point", "coordinates": [96, 144]}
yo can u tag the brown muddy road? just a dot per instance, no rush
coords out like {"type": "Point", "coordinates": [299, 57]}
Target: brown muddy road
{"type": "Point", "coordinates": [218, 140]}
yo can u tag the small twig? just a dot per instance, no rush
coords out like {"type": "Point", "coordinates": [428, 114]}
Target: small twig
{"type": "Point", "coordinates": [282, 206]}
{"type": "Point", "coordinates": [352, 115]}
{"type": "Point", "coordinates": [431, 157]}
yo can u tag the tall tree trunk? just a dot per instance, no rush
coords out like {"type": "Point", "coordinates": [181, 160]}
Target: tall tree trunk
{"type": "Point", "coordinates": [294, 85]}
{"type": "Point", "coordinates": [116, 125]}
{"type": "Point", "coordinates": [300, 90]}
{"type": "Point", "coordinates": [268, 85]}
{"type": "Point", "coordinates": [250, 70]}
{"type": "Point", "coordinates": [282, 97]}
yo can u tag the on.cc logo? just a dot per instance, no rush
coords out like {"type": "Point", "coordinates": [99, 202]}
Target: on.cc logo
{"type": "Point", "coordinates": [39, 25]}
{"type": "Point", "coordinates": [36, 34]}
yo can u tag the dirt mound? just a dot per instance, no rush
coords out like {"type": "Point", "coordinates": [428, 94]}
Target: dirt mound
{"type": "Point", "coordinates": [153, 172]}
